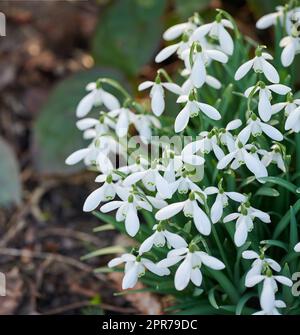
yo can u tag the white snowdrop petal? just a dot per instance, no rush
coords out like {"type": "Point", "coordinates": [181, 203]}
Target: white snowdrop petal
{"type": "Point", "coordinates": [225, 161]}
{"type": "Point", "coordinates": [182, 119]}
{"type": "Point", "coordinates": [211, 190]}
{"type": "Point", "coordinates": [134, 178]}
{"type": "Point", "coordinates": [279, 89]}
{"type": "Point", "coordinates": [267, 297]}
{"type": "Point", "coordinates": [288, 54]}
{"type": "Point", "coordinates": [175, 31]}
{"type": "Point", "coordinates": [93, 200]}
{"type": "Point", "coordinates": [254, 280]}
{"type": "Point", "coordinates": [172, 87]}
{"type": "Point", "coordinates": [210, 261]}
{"type": "Point", "coordinates": [249, 254]}
{"type": "Point", "coordinates": [85, 105]}
{"type": "Point", "coordinates": [196, 276]}
{"type": "Point", "coordinates": [169, 261]}
{"type": "Point", "coordinates": [175, 240]}
{"type": "Point", "coordinates": [226, 41]}
{"type": "Point", "coordinates": [264, 106]}
{"type": "Point", "coordinates": [243, 70]}
{"type": "Point", "coordinates": [270, 72]}
{"type": "Point", "coordinates": [200, 32]}
{"type": "Point", "coordinates": [297, 247]}
{"type": "Point", "coordinates": [236, 196]}
{"type": "Point", "coordinates": [77, 156]}
{"type": "Point", "coordinates": [241, 233]}
{"type": "Point", "coordinates": [110, 101]}
{"type": "Point", "coordinates": [266, 21]}
{"type": "Point", "coordinates": [284, 280]}
{"type": "Point", "coordinates": [201, 220]}
{"type": "Point", "coordinates": [244, 135]}
{"type": "Point", "coordinates": [217, 55]}
{"type": "Point", "coordinates": [162, 187]}
{"type": "Point", "coordinates": [255, 165]}
{"type": "Point", "coordinates": [183, 275]}
{"type": "Point", "coordinates": [147, 244]}
{"type": "Point", "coordinates": [130, 278]}
{"type": "Point", "coordinates": [272, 132]}
{"type": "Point", "coordinates": [115, 262]}
{"type": "Point", "coordinates": [132, 222]}
{"type": "Point", "coordinates": [111, 206]}
{"type": "Point", "coordinates": [166, 53]}
{"type": "Point", "coordinates": [209, 111]}
{"type": "Point", "coordinates": [157, 100]}
{"type": "Point", "coordinates": [86, 123]}
{"type": "Point", "coordinates": [198, 73]}
{"type": "Point", "coordinates": [169, 211]}
{"type": "Point", "coordinates": [216, 211]}
{"type": "Point", "coordinates": [232, 125]}
{"type": "Point", "coordinates": [213, 82]}
{"type": "Point", "coordinates": [159, 271]}
{"type": "Point", "coordinates": [145, 85]}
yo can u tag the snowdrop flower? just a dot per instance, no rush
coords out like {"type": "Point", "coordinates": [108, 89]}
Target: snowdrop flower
{"type": "Point", "coordinates": [159, 239]}
{"type": "Point", "coordinates": [201, 57]}
{"type": "Point", "coordinates": [192, 109]}
{"type": "Point", "coordinates": [274, 156]}
{"type": "Point", "coordinates": [243, 154]}
{"type": "Point", "coordinates": [293, 121]}
{"type": "Point", "coordinates": [269, 20]}
{"type": "Point", "coordinates": [290, 45]}
{"type": "Point", "coordinates": [96, 97]}
{"type": "Point", "coordinates": [190, 268]}
{"type": "Point", "coordinates": [221, 201]}
{"type": "Point", "coordinates": [176, 163]}
{"type": "Point", "coordinates": [265, 95]}
{"type": "Point", "coordinates": [97, 153]}
{"type": "Point", "coordinates": [124, 118]}
{"type": "Point", "coordinates": [135, 268]}
{"type": "Point", "coordinates": [144, 124]}
{"type": "Point", "coordinates": [260, 65]}
{"type": "Point", "coordinates": [259, 264]}
{"type": "Point", "coordinates": [127, 210]}
{"type": "Point", "coordinates": [267, 297]}
{"type": "Point", "coordinates": [106, 192]}
{"type": "Point", "coordinates": [152, 180]}
{"type": "Point", "coordinates": [184, 184]}
{"type": "Point", "coordinates": [297, 247]}
{"type": "Point", "coordinates": [226, 137]}
{"type": "Point", "coordinates": [288, 106]}
{"type": "Point", "coordinates": [244, 222]}
{"type": "Point", "coordinates": [191, 209]}
{"type": "Point", "coordinates": [216, 30]}
{"type": "Point", "coordinates": [157, 93]}
{"type": "Point", "coordinates": [255, 127]}
{"type": "Point", "coordinates": [274, 311]}
{"type": "Point", "coordinates": [208, 142]}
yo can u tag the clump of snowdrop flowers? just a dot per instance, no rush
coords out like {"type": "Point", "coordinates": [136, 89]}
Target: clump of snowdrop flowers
{"type": "Point", "coordinates": [196, 186]}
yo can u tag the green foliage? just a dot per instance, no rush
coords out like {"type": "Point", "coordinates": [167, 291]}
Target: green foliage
{"type": "Point", "coordinates": [128, 34]}
{"type": "Point", "coordinates": [10, 183]}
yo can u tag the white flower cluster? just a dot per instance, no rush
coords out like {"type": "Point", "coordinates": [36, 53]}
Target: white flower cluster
{"type": "Point", "coordinates": [171, 184]}
{"type": "Point", "coordinates": [289, 18]}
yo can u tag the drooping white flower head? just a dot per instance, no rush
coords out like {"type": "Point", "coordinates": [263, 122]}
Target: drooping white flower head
{"type": "Point", "coordinates": [265, 96]}
{"type": "Point", "coordinates": [221, 201]}
{"type": "Point", "coordinates": [190, 208]}
{"type": "Point", "coordinates": [135, 268]}
{"type": "Point", "coordinates": [244, 222]}
{"type": "Point", "coordinates": [96, 97]}
{"type": "Point", "coordinates": [293, 121]}
{"type": "Point", "coordinates": [159, 239]}
{"type": "Point", "coordinates": [157, 93]}
{"type": "Point", "coordinates": [189, 269]}
{"type": "Point", "coordinates": [244, 154]}
{"type": "Point", "coordinates": [259, 64]}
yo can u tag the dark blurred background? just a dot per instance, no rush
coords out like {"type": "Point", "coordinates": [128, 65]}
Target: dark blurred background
{"type": "Point", "coordinates": [51, 50]}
